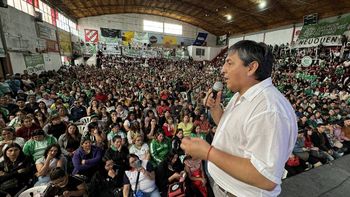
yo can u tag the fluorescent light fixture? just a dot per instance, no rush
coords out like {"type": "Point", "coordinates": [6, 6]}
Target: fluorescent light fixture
{"type": "Point", "coordinates": [228, 17]}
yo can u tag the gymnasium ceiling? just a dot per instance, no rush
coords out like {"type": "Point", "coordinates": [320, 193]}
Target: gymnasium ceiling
{"type": "Point", "coordinates": [212, 15]}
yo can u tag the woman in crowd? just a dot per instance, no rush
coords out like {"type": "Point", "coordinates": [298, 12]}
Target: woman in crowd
{"type": "Point", "coordinates": [133, 131]}
{"type": "Point", "coordinates": [69, 143]}
{"type": "Point", "coordinates": [169, 127]}
{"type": "Point", "coordinates": [186, 125]}
{"type": "Point", "coordinates": [160, 147]}
{"type": "Point", "coordinates": [16, 170]}
{"type": "Point", "coordinates": [195, 173]}
{"type": "Point", "coordinates": [197, 132]}
{"type": "Point", "coordinates": [104, 114]}
{"type": "Point", "coordinates": [86, 158]}
{"type": "Point", "coordinates": [63, 114]}
{"type": "Point", "coordinates": [52, 158]}
{"type": "Point", "coordinates": [151, 130]}
{"type": "Point", "coordinates": [168, 172]}
{"type": "Point", "coordinates": [40, 119]}
{"type": "Point", "coordinates": [70, 140]}
{"type": "Point", "coordinates": [176, 142]}
{"type": "Point", "coordinates": [129, 121]}
{"type": "Point", "coordinates": [140, 148]}
{"type": "Point", "coordinates": [142, 173]}
{"type": "Point", "coordinates": [43, 109]}
{"type": "Point", "coordinates": [93, 108]}
{"type": "Point", "coordinates": [106, 181]}
{"type": "Point", "coordinates": [96, 136]}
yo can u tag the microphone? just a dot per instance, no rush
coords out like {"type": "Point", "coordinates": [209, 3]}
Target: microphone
{"type": "Point", "coordinates": [217, 87]}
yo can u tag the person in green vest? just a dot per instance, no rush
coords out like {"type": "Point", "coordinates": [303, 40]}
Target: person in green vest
{"type": "Point", "coordinates": [160, 147]}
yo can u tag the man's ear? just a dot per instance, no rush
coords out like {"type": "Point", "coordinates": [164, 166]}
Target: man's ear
{"type": "Point", "coordinates": [252, 68]}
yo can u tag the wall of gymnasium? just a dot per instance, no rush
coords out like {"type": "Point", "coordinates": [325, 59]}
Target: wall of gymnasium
{"type": "Point", "coordinates": [21, 38]}
{"type": "Point", "coordinates": [278, 36]}
{"type": "Point", "coordinates": [134, 22]}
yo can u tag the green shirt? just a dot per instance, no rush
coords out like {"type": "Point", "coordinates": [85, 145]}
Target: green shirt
{"type": "Point", "coordinates": [36, 149]}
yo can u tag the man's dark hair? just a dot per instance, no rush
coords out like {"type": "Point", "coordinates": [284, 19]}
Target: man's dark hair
{"type": "Point", "coordinates": [116, 137]}
{"type": "Point", "coordinates": [57, 173]}
{"type": "Point", "coordinates": [249, 51]}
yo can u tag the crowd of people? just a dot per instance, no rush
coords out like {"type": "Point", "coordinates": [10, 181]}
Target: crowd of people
{"type": "Point", "coordinates": [117, 130]}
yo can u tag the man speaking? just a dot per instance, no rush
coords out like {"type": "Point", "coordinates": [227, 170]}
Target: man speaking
{"type": "Point", "coordinates": [256, 131]}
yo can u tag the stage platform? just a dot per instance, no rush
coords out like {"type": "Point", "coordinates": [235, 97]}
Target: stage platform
{"type": "Point", "coordinates": [330, 180]}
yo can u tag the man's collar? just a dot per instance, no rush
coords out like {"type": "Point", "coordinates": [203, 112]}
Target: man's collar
{"type": "Point", "coordinates": [253, 91]}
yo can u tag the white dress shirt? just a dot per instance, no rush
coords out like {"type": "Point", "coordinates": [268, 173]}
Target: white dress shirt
{"type": "Point", "coordinates": [262, 127]}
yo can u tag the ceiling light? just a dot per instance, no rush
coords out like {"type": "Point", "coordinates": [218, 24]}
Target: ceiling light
{"type": "Point", "coordinates": [262, 4]}
{"type": "Point", "coordinates": [228, 17]}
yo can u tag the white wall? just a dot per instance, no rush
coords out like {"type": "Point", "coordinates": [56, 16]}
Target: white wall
{"type": "Point", "coordinates": [232, 41]}
{"type": "Point", "coordinates": [277, 36]}
{"type": "Point", "coordinates": [19, 29]}
{"type": "Point", "coordinates": [21, 37]}
{"type": "Point", "coordinates": [255, 37]}
{"type": "Point", "coordinates": [209, 54]}
{"type": "Point", "coordinates": [17, 61]}
{"type": "Point", "coordinates": [52, 61]}
{"type": "Point", "coordinates": [134, 22]}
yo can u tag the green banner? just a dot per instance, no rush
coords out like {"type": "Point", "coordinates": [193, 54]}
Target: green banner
{"type": "Point", "coordinates": [327, 33]}
{"type": "Point", "coordinates": [34, 63]}
{"type": "Point", "coordinates": [337, 27]}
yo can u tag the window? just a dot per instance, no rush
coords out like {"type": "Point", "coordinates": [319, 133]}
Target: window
{"type": "Point", "coordinates": [162, 27]}
{"type": "Point", "coordinates": [73, 27]}
{"type": "Point", "coordinates": [22, 5]}
{"type": "Point", "coordinates": [172, 29]}
{"type": "Point", "coordinates": [62, 22]}
{"type": "Point", "coordinates": [152, 26]}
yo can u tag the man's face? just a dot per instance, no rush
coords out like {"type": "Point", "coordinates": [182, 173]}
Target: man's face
{"type": "Point", "coordinates": [234, 72]}
{"type": "Point", "coordinates": [31, 99]}
{"type": "Point", "coordinates": [20, 103]}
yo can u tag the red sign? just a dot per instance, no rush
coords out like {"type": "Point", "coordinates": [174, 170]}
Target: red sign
{"type": "Point", "coordinates": [91, 35]}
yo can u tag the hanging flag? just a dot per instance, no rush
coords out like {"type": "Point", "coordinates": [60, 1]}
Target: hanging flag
{"type": "Point", "coordinates": [110, 33]}
{"type": "Point", "coordinates": [201, 37]}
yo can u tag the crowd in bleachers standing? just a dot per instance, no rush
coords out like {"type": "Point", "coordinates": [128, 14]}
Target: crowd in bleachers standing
{"type": "Point", "coordinates": [94, 127]}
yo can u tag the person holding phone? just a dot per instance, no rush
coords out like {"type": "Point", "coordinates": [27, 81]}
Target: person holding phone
{"type": "Point", "coordinates": [140, 178]}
